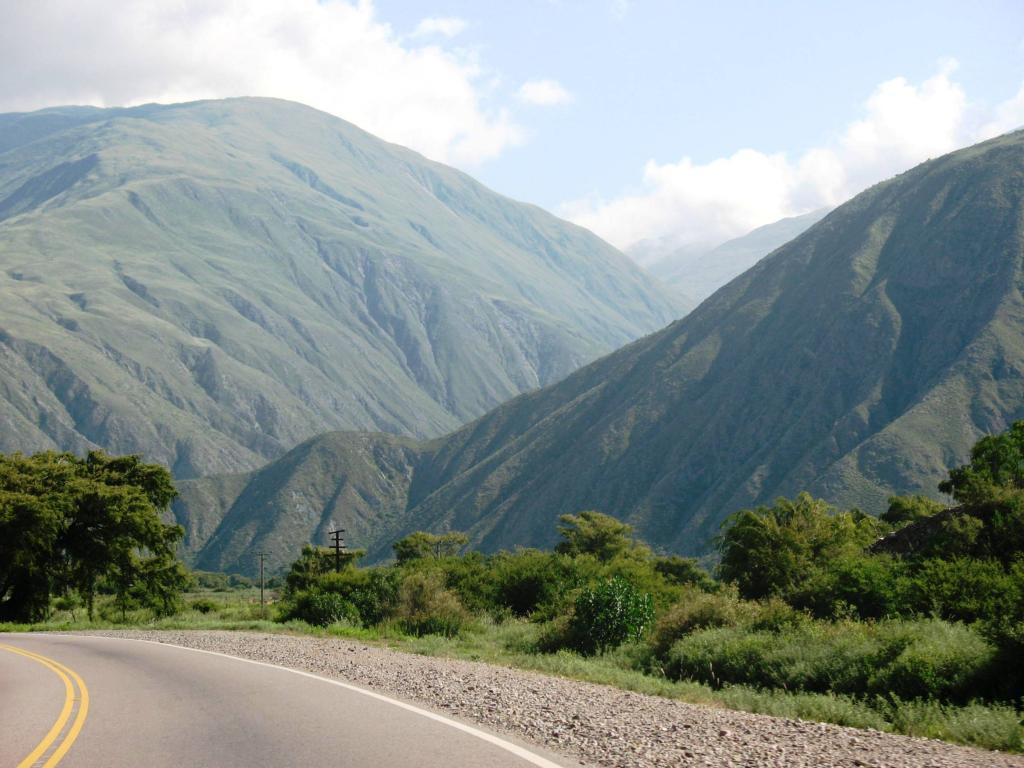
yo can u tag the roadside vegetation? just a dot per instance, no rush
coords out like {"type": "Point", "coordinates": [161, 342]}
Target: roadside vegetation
{"type": "Point", "coordinates": [912, 622]}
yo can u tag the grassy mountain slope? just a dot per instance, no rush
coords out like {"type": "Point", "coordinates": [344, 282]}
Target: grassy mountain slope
{"type": "Point", "coordinates": [863, 358]}
{"type": "Point", "coordinates": [211, 283]}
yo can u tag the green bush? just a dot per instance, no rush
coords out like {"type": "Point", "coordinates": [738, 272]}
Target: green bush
{"type": "Point", "coordinates": [939, 660]}
{"type": "Point", "coordinates": [697, 609]}
{"type": "Point", "coordinates": [965, 589]}
{"type": "Point", "coordinates": [909, 659]}
{"type": "Point", "coordinates": [203, 605]}
{"type": "Point", "coordinates": [426, 607]}
{"type": "Point", "coordinates": [855, 584]}
{"type": "Point", "coordinates": [374, 593]}
{"type": "Point", "coordinates": [320, 609]}
{"type": "Point", "coordinates": [610, 614]}
{"type": "Point", "coordinates": [529, 581]}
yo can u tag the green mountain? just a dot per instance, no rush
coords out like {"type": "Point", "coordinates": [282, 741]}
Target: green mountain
{"type": "Point", "coordinates": [863, 358]}
{"type": "Point", "coordinates": [209, 284]}
{"type": "Point", "coordinates": [702, 271]}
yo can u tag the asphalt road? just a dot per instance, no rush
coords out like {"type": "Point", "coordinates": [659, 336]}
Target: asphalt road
{"type": "Point", "coordinates": [104, 703]}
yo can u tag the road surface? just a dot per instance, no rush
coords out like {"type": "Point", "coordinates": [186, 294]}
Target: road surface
{"type": "Point", "coordinates": [92, 702]}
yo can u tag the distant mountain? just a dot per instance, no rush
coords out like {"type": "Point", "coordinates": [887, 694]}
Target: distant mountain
{"type": "Point", "coordinates": [700, 271]}
{"type": "Point", "coordinates": [211, 283]}
{"type": "Point", "coordinates": [862, 359]}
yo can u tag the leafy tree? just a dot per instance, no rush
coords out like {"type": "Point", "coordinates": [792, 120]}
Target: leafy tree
{"type": "Point", "coordinates": [68, 523]}
{"type": "Point", "coordinates": [997, 464]}
{"type": "Point", "coordinates": [774, 550]}
{"type": "Point", "coordinates": [597, 534]}
{"type": "Point", "coordinates": [420, 544]}
{"type": "Point", "coordinates": [33, 514]}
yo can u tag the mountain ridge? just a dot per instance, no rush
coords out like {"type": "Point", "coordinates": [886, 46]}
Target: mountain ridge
{"type": "Point", "coordinates": [209, 284]}
{"type": "Point", "coordinates": [862, 359]}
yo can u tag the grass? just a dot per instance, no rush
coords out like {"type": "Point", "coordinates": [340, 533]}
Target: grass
{"type": "Point", "coordinates": [511, 644]}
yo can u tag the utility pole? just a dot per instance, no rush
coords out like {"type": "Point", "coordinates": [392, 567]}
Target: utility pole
{"type": "Point", "coordinates": [338, 545]}
{"type": "Point", "coordinates": [263, 603]}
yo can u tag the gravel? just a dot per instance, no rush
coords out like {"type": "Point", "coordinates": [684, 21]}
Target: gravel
{"type": "Point", "coordinates": [596, 724]}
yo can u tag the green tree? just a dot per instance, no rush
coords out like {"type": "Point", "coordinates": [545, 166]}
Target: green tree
{"type": "Point", "coordinates": [68, 523]}
{"type": "Point", "coordinates": [774, 550]}
{"type": "Point", "coordinates": [996, 466]}
{"type": "Point", "coordinates": [597, 534]}
{"type": "Point", "coordinates": [33, 511]}
{"type": "Point", "coordinates": [420, 544]}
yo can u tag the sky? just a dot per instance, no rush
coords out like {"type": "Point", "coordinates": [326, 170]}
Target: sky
{"type": "Point", "coordinates": [680, 122]}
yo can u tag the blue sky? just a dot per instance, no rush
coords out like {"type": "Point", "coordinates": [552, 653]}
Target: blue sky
{"type": "Point", "coordinates": [664, 79]}
{"type": "Point", "coordinates": [685, 121]}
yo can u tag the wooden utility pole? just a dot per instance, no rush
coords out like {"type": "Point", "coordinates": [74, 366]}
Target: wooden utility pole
{"type": "Point", "coordinates": [263, 603]}
{"type": "Point", "coordinates": [338, 545]}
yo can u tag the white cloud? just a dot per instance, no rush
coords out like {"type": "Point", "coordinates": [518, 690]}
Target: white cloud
{"type": "Point", "coordinates": [543, 93]}
{"type": "Point", "coordinates": [903, 124]}
{"type": "Point", "coordinates": [448, 26]}
{"type": "Point", "coordinates": [334, 55]}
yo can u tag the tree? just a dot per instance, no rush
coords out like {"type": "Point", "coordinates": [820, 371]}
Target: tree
{"type": "Point", "coordinates": [68, 523]}
{"type": "Point", "coordinates": [996, 466]}
{"type": "Point", "coordinates": [420, 544]}
{"type": "Point", "coordinates": [597, 534]}
{"type": "Point", "coordinates": [773, 550]}
{"type": "Point", "coordinates": [32, 518]}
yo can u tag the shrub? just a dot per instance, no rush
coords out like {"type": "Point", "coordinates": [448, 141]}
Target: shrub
{"type": "Point", "coordinates": [374, 593]}
{"type": "Point", "coordinates": [965, 589]}
{"type": "Point", "coordinates": [939, 660]}
{"type": "Point", "coordinates": [696, 610]}
{"type": "Point", "coordinates": [684, 571]}
{"type": "Point", "coordinates": [869, 585]}
{"type": "Point", "coordinates": [425, 607]}
{"type": "Point", "coordinates": [531, 582]}
{"type": "Point", "coordinates": [909, 659]}
{"type": "Point", "coordinates": [203, 605]}
{"type": "Point", "coordinates": [610, 614]}
{"type": "Point", "coordinates": [321, 608]}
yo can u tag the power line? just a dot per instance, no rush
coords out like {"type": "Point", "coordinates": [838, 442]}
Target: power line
{"type": "Point", "coordinates": [263, 603]}
{"type": "Point", "coordinates": [338, 545]}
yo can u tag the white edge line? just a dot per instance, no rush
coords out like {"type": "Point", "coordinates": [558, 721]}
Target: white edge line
{"type": "Point", "coordinates": [497, 741]}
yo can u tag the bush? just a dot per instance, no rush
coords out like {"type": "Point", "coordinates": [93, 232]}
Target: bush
{"type": "Point", "coordinates": [530, 581]}
{"type": "Point", "coordinates": [696, 610]}
{"type": "Point", "coordinates": [425, 607]}
{"type": "Point", "coordinates": [203, 605]}
{"type": "Point", "coordinates": [929, 658]}
{"type": "Point", "coordinates": [965, 589]}
{"type": "Point", "coordinates": [860, 585]}
{"type": "Point", "coordinates": [609, 615]}
{"type": "Point", "coordinates": [374, 593]}
{"type": "Point", "coordinates": [939, 661]}
{"type": "Point", "coordinates": [321, 609]}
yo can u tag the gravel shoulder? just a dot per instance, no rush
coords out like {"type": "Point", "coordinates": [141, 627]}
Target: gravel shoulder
{"type": "Point", "coordinates": [595, 724]}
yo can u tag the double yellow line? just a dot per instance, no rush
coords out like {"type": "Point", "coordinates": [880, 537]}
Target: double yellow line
{"type": "Point", "coordinates": [59, 734]}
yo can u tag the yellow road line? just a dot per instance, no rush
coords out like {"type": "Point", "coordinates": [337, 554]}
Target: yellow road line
{"type": "Point", "coordinates": [67, 676]}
